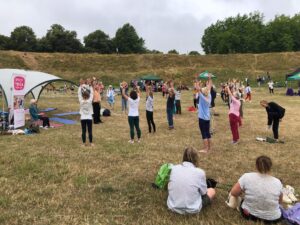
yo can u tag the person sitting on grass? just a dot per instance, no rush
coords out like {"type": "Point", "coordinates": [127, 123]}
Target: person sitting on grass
{"type": "Point", "coordinates": [262, 193]}
{"type": "Point", "coordinates": [86, 114]}
{"type": "Point", "coordinates": [275, 114]}
{"type": "Point", "coordinates": [187, 188]}
{"type": "Point", "coordinates": [133, 112]}
{"type": "Point", "coordinates": [36, 115]}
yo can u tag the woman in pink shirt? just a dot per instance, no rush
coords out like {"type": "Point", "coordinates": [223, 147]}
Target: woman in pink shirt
{"type": "Point", "coordinates": [234, 114]}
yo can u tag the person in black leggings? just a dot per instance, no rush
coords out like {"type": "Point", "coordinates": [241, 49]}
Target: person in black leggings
{"type": "Point", "coordinates": [149, 109]}
{"type": "Point", "coordinates": [275, 114]}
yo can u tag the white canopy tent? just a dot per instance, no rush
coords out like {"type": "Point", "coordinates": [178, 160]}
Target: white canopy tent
{"type": "Point", "coordinates": [35, 82]}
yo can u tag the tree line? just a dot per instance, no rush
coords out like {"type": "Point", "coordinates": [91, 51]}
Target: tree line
{"type": "Point", "coordinates": [249, 34]}
{"type": "Point", "coordinates": [58, 39]}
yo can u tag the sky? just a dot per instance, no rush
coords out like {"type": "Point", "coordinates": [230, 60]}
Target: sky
{"type": "Point", "coordinates": [163, 24]}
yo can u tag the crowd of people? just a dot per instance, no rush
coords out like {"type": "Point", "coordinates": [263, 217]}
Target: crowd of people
{"type": "Point", "coordinates": [188, 192]}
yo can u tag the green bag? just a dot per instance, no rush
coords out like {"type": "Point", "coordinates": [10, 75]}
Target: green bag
{"type": "Point", "coordinates": [163, 176]}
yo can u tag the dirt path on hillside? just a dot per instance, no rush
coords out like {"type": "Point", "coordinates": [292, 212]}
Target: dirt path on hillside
{"type": "Point", "coordinates": [28, 59]}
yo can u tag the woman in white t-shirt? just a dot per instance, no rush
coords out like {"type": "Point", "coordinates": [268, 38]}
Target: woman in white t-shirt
{"type": "Point", "coordinates": [262, 193]}
{"type": "Point", "coordinates": [271, 87]}
{"type": "Point", "coordinates": [149, 109]}
{"type": "Point", "coordinates": [133, 112]}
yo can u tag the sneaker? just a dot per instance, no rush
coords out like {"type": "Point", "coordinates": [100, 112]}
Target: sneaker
{"type": "Point", "coordinates": [92, 144]}
{"type": "Point", "coordinates": [234, 142]}
{"type": "Point", "coordinates": [46, 128]}
{"type": "Point", "coordinates": [51, 126]}
{"type": "Point", "coordinates": [139, 140]}
{"type": "Point", "coordinates": [131, 141]}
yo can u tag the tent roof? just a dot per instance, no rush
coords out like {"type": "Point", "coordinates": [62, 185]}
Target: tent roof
{"type": "Point", "coordinates": [294, 77]}
{"type": "Point", "coordinates": [293, 73]}
{"type": "Point", "coordinates": [151, 77]}
{"type": "Point", "coordinates": [204, 75]}
{"type": "Point", "coordinates": [35, 81]}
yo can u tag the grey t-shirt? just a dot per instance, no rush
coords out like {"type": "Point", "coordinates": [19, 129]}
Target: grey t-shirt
{"type": "Point", "coordinates": [262, 194]}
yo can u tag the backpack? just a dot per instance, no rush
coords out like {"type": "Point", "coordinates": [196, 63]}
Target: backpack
{"type": "Point", "coordinates": [163, 176]}
{"type": "Point", "coordinates": [292, 215]}
{"type": "Point", "coordinates": [106, 112]}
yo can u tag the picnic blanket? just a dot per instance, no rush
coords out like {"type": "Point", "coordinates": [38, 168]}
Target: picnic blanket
{"type": "Point", "coordinates": [55, 125]}
{"type": "Point", "coordinates": [64, 121]}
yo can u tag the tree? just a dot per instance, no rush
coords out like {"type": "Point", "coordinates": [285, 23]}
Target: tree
{"type": "Point", "coordinates": [154, 52]}
{"type": "Point", "coordinates": [58, 39]}
{"type": "Point", "coordinates": [240, 34]}
{"type": "Point", "coordinates": [173, 51]}
{"type": "Point", "coordinates": [99, 42]}
{"type": "Point", "coordinates": [194, 53]}
{"type": "Point", "coordinates": [4, 42]}
{"type": "Point", "coordinates": [23, 39]}
{"type": "Point", "coordinates": [127, 41]}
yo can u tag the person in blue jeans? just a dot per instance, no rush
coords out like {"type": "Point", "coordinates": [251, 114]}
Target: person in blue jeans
{"type": "Point", "coordinates": [170, 108]}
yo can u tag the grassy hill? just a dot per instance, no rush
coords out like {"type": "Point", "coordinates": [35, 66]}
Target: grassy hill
{"type": "Point", "coordinates": [114, 68]}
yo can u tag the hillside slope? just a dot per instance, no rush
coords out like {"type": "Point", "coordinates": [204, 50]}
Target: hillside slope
{"type": "Point", "coordinates": [114, 68]}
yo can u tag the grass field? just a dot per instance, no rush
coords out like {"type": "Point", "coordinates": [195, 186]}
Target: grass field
{"type": "Point", "coordinates": [49, 178]}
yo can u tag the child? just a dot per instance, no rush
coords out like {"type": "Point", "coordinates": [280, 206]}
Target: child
{"type": "Point", "coordinates": [170, 108]}
{"type": "Point", "coordinates": [86, 114]}
{"type": "Point", "coordinates": [177, 101]}
{"type": "Point", "coordinates": [149, 109]}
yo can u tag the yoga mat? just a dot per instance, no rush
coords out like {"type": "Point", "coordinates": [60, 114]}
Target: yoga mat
{"type": "Point", "coordinates": [55, 125]}
{"type": "Point", "coordinates": [67, 114]}
{"type": "Point", "coordinates": [48, 109]}
{"type": "Point", "coordinates": [64, 121]}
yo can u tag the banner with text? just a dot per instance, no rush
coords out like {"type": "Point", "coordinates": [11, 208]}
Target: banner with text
{"type": "Point", "coordinates": [18, 83]}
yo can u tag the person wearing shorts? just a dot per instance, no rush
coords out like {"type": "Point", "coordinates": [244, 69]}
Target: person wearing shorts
{"type": "Point", "coordinates": [204, 114]}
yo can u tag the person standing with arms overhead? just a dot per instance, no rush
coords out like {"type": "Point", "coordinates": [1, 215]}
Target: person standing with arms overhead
{"type": "Point", "coordinates": [248, 92]}
{"type": "Point", "coordinates": [86, 113]}
{"type": "Point", "coordinates": [170, 107]}
{"type": "Point", "coordinates": [133, 112]}
{"type": "Point", "coordinates": [149, 109]}
{"type": "Point", "coordinates": [96, 105]}
{"type": "Point", "coordinates": [110, 94]}
{"type": "Point", "coordinates": [124, 101]}
{"type": "Point", "coordinates": [177, 100]}
{"type": "Point", "coordinates": [275, 114]}
{"type": "Point", "coordinates": [234, 114]}
{"type": "Point", "coordinates": [204, 113]}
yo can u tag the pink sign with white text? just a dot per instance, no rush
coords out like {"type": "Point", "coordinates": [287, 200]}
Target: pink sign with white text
{"type": "Point", "coordinates": [19, 84]}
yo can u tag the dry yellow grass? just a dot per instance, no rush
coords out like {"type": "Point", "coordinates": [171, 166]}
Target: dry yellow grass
{"type": "Point", "coordinates": [50, 179]}
{"type": "Point", "coordinates": [115, 68]}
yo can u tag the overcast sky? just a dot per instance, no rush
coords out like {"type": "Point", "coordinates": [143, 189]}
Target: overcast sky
{"type": "Point", "coordinates": [164, 24]}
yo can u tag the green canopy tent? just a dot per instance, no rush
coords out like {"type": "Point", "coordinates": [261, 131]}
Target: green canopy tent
{"type": "Point", "coordinates": [294, 77]}
{"type": "Point", "coordinates": [150, 77]}
{"type": "Point", "coordinates": [204, 75]}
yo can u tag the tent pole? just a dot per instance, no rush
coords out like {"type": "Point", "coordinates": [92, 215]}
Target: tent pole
{"type": "Point", "coordinates": [3, 116]}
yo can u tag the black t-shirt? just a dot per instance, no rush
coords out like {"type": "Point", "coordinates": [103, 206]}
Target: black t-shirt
{"type": "Point", "coordinates": [170, 102]}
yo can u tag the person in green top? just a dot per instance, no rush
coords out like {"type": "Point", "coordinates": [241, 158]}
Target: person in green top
{"type": "Point", "coordinates": [35, 114]}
